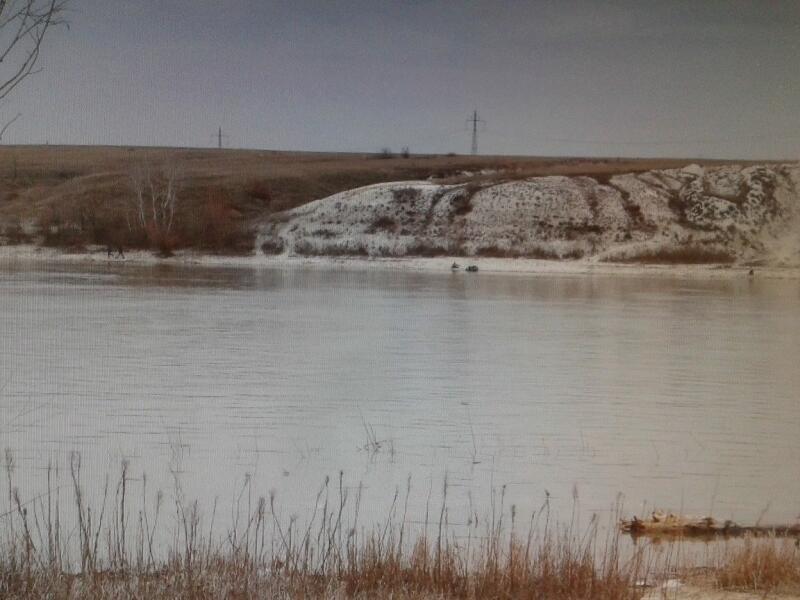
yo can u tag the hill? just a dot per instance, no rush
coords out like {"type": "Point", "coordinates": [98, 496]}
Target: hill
{"type": "Point", "coordinates": [78, 196]}
{"type": "Point", "coordinates": [694, 214]}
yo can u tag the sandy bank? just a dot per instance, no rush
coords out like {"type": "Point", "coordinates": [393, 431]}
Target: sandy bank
{"type": "Point", "coordinates": [18, 255]}
{"type": "Point", "coordinates": [688, 592]}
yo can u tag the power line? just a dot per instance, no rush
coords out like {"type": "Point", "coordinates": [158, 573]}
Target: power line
{"type": "Point", "coordinates": [654, 142]}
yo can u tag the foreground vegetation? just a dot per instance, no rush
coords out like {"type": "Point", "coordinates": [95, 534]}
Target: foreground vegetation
{"type": "Point", "coordinates": [689, 254]}
{"type": "Point", "coordinates": [59, 545]}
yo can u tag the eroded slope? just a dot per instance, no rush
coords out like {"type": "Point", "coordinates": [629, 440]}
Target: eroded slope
{"type": "Point", "coordinates": [694, 214]}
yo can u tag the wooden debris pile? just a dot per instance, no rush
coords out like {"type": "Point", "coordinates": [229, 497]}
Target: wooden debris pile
{"type": "Point", "coordinates": [662, 524]}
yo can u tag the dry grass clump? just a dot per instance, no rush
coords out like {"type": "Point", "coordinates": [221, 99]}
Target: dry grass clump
{"type": "Point", "coordinates": [128, 544]}
{"type": "Point", "coordinates": [123, 548]}
{"type": "Point", "coordinates": [340, 248]}
{"type": "Point", "coordinates": [689, 254]}
{"type": "Point", "coordinates": [541, 252]}
{"type": "Point", "coordinates": [428, 248]}
{"type": "Point", "coordinates": [14, 233]}
{"type": "Point", "coordinates": [272, 246]}
{"type": "Point", "coordinates": [382, 223]}
{"type": "Point", "coordinates": [761, 565]}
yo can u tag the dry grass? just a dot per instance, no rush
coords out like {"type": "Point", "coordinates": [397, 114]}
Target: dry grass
{"type": "Point", "coordinates": [539, 252]}
{"type": "Point", "coordinates": [130, 545]}
{"type": "Point", "coordinates": [761, 565]}
{"type": "Point", "coordinates": [77, 195]}
{"type": "Point", "coordinates": [689, 254]}
{"type": "Point", "coordinates": [122, 547]}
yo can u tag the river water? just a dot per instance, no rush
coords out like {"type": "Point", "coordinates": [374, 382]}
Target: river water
{"type": "Point", "coordinates": [673, 393]}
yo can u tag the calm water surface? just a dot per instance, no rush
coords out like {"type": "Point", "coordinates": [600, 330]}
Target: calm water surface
{"type": "Point", "coordinates": [675, 393]}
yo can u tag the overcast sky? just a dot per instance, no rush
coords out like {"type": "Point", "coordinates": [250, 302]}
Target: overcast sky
{"type": "Point", "coordinates": [550, 78]}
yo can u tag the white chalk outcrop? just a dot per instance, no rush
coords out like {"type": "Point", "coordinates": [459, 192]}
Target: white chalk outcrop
{"type": "Point", "coordinates": [694, 214]}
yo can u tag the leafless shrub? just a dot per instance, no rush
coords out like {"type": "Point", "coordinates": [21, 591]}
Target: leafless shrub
{"type": "Point", "coordinates": [15, 233]}
{"type": "Point", "coordinates": [215, 226]}
{"type": "Point", "coordinates": [382, 223]}
{"type": "Point", "coordinates": [537, 251]}
{"type": "Point", "coordinates": [574, 253]}
{"type": "Point", "coordinates": [461, 204]}
{"type": "Point", "coordinates": [154, 204]}
{"type": "Point", "coordinates": [494, 251]}
{"type": "Point", "coordinates": [404, 195]}
{"type": "Point", "coordinates": [427, 248]}
{"type": "Point", "coordinates": [60, 229]}
{"type": "Point", "coordinates": [340, 248]}
{"type": "Point", "coordinates": [272, 246]}
{"type": "Point", "coordinates": [686, 254]}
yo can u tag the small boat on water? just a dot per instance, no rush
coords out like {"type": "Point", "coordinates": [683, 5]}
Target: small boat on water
{"type": "Point", "coordinates": [472, 269]}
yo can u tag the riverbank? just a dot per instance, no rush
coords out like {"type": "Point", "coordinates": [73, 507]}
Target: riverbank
{"type": "Point", "coordinates": [231, 581]}
{"type": "Point", "coordinates": [692, 592]}
{"type": "Point", "coordinates": [309, 204]}
{"type": "Point", "coordinates": [80, 195]}
{"type": "Point", "coordinates": [30, 254]}
{"type": "Point", "coordinates": [60, 544]}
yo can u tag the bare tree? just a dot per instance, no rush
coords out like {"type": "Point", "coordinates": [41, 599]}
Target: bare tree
{"type": "Point", "coordinates": [155, 199]}
{"type": "Point", "coordinates": [8, 124]}
{"type": "Point", "coordinates": [23, 26]}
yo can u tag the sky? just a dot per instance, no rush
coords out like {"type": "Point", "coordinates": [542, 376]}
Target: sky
{"type": "Point", "coordinates": [641, 78]}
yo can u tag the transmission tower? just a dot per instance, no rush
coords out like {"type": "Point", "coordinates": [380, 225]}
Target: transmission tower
{"type": "Point", "coordinates": [474, 120]}
{"type": "Point", "coordinates": [219, 136]}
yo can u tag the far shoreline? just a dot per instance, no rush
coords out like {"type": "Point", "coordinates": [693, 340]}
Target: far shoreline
{"type": "Point", "coordinates": [441, 264]}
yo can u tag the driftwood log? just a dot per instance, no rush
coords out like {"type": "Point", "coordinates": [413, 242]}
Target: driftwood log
{"type": "Point", "coordinates": [670, 525]}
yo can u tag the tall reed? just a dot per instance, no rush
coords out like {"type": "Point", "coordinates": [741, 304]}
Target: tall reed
{"type": "Point", "coordinates": [120, 546]}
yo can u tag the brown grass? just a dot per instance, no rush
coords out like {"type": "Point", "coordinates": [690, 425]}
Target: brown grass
{"type": "Point", "coordinates": [537, 252]}
{"type": "Point", "coordinates": [131, 545]}
{"type": "Point", "coordinates": [429, 249]}
{"type": "Point", "coordinates": [115, 549]}
{"type": "Point", "coordinates": [78, 194]}
{"type": "Point", "coordinates": [14, 233]}
{"type": "Point", "coordinates": [689, 254]}
{"type": "Point", "coordinates": [334, 249]}
{"type": "Point", "coordinates": [761, 565]}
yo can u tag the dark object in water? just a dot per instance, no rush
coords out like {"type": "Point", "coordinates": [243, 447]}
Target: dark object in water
{"type": "Point", "coordinates": [669, 525]}
{"type": "Point", "coordinates": [455, 266]}
{"type": "Point", "coordinates": [110, 250]}
{"type": "Point", "coordinates": [472, 269]}
{"type": "Point", "coordinates": [751, 273]}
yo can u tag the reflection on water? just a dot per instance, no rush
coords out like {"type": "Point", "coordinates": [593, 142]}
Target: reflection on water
{"type": "Point", "coordinates": [682, 394]}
